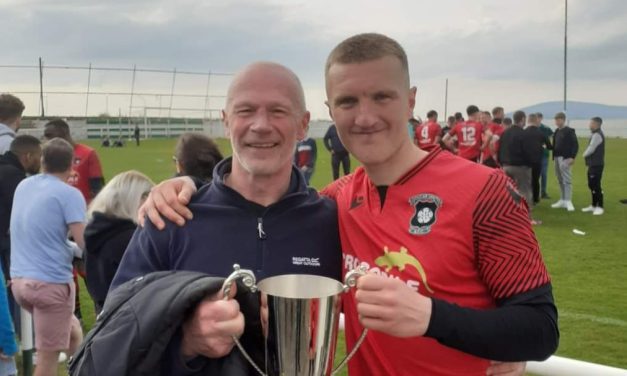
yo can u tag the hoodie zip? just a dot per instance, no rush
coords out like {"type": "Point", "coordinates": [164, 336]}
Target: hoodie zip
{"type": "Point", "coordinates": [261, 234]}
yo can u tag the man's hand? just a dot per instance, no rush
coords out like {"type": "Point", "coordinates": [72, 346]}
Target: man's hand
{"type": "Point", "coordinates": [506, 369]}
{"type": "Point", "coordinates": [210, 329]}
{"type": "Point", "coordinates": [388, 305]}
{"type": "Point", "coordinates": [569, 161]}
{"type": "Point", "coordinates": [168, 198]}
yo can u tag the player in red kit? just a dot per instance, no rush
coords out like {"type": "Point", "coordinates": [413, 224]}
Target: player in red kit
{"type": "Point", "coordinates": [468, 136]}
{"type": "Point", "coordinates": [454, 235]}
{"type": "Point", "coordinates": [456, 275]}
{"type": "Point", "coordinates": [87, 172]}
{"type": "Point", "coordinates": [428, 134]}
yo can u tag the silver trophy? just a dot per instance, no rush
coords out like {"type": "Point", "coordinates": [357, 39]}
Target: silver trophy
{"type": "Point", "coordinates": [299, 316]}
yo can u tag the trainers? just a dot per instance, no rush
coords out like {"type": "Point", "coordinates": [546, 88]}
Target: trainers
{"type": "Point", "coordinates": [536, 222]}
{"type": "Point", "coordinates": [588, 209]}
{"type": "Point", "coordinates": [569, 206]}
{"type": "Point", "coordinates": [598, 211]}
{"type": "Point", "coordinates": [545, 196]}
{"type": "Point", "coordinates": [559, 204]}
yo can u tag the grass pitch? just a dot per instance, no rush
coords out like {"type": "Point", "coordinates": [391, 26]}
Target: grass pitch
{"type": "Point", "coordinates": [589, 272]}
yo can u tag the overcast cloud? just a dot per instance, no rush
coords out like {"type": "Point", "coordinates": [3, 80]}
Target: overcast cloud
{"type": "Point", "coordinates": [493, 51]}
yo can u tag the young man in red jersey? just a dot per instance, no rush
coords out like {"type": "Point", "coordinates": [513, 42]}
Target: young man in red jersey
{"type": "Point", "coordinates": [468, 136]}
{"type": "Point", "coordinates": [456, 275]}
{"type": "Point", "coordinates": [491, 130]}
{"type": "Point", "coordinates": [428, 134]}
{"type": "Point", "coordinates": [87, 171]}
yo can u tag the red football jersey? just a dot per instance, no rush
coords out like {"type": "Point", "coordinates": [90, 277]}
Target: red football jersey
{"type": "Point", "coordinates": [468, 139]}
{"type": "Point", "coordinates": [86, 166]}
{"type": "Point", "coordinates": [495, 129]}
{"type": "Point", "coordinates": [449, 229]}
{"type": "Point", "coordinates": [427, 133]}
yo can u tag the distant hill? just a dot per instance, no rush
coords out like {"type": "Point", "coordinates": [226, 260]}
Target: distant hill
{"type": "Point", "coordinates": [579, 110]}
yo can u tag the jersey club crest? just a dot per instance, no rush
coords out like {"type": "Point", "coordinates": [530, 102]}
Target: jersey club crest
{"type": "Point", "coordinates": [425, 213]}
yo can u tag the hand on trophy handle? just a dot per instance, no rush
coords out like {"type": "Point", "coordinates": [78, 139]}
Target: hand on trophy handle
{"type": "Point", "coordinates": [350, 281]}
{"type": "Point", "coordinates": [388, 305]}
{"type": "Point", "coordinates": [248, 279]}
{"type": "Point", "coordinates": [211, 328]}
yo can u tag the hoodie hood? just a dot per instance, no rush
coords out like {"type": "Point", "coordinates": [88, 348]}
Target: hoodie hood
{"type": "Point", "coordinates": [103, 227]}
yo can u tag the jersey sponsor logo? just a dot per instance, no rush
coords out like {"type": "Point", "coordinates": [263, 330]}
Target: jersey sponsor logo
{"type": "Point", "coordinates": [306, 261]}
{"type": "Point", "coordinates": [356, 202]}
{"type": "Point", "coordinates": [384, 264]}
{"type": "Point", "coordinates": [400, 260]}
{"type": "Point", "coordinates": [425, 213]}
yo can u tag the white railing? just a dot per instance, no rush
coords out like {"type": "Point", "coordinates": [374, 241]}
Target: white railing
{"type": "Point", "coordinates": [558, 366]}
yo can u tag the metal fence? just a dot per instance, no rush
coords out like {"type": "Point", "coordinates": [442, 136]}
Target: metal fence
{"type": "Point", "coordinates": [90, 91]}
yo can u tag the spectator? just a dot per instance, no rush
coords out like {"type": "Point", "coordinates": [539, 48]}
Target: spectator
{"type": "Point", "coordinates": [11, 109]}
{"type": "Point", "coordinates": [565, 148]}
{"type": "Point", "coordinates": [196, 155]}
{"type": "Point", "coordinates": [111, 223]}
{"type": "Point", "coordinates": [106, 142]}
{"type": "Point", "coordinates": [548, 132]}
{"type": "Point", "coordinates": [594, 156]}
{"type": "Point", "coordinates": [23, 158]}
{"type": "Point", "coordinates": [8, 346]}
{"type": "Point", "coordinates": [136, 133]}
{"type": "Point", "coordinates": [86, 176]}
{"type": "Point", "coordinates": [536, 143]}
{"type": "Point", "coordinates": [339, 154]}
{"type": "Point", "coordinates": [45, 209]}
{"type": "Point", "coordinates": [515, 156]}
{"type": "Point", "coordinates": [305, 157]}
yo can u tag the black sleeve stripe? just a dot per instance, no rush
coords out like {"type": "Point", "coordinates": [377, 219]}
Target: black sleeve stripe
{"type": "Point", "coordinates": [508, 255]}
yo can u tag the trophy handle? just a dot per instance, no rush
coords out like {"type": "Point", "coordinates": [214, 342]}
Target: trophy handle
{"type": "Point", "coordinates": [350, 280]}
{"type": "Point", "coordinates": [249, 280]}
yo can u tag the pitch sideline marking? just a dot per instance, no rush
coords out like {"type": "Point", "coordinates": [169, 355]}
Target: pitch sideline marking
{"type": "Point", "coordinates": [593, 318]}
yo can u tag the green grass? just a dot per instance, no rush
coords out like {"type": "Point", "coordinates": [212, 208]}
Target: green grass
{"type": "Point", "coordinates": [588, 272]}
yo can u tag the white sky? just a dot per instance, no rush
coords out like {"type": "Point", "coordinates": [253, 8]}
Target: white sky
{"type": "Point", "coordinates": [494, 52]}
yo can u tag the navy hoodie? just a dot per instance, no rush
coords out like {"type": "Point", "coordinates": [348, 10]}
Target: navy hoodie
{"type": "Point", "coordinates": [296, 235]}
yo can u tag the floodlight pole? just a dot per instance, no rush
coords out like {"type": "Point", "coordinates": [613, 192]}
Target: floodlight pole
{"type": "Point", "coordinates": [41, 87]}
{"type": "Point", "coordinates": [565, 49]}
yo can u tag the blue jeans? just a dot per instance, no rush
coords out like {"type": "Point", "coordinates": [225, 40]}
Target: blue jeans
{"type": "Point", "coordinates": [545, 167]}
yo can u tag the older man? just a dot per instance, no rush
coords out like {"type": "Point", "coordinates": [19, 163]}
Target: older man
{"type": "Point", "coordinates": [257, 212]}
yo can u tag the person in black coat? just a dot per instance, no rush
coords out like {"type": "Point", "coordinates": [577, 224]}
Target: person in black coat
{"type": "Point", "coordinates": [536, 141]}
{"type": "Point", "coordinates": [112, 215]}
